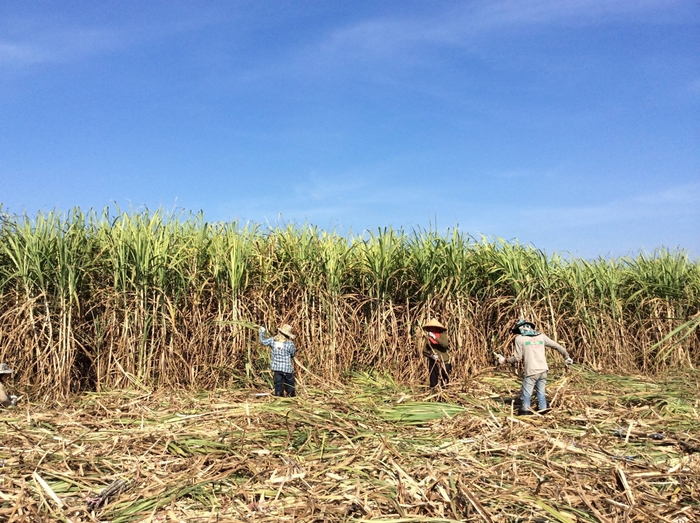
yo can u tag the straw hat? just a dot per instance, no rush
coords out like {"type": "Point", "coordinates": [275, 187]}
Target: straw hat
{"type": "Point", "coordinates": [286, 329]}
{"type": "Point", "coordinates": [435, 324]}
{"type": "Point", "coordinates": [5, 369]}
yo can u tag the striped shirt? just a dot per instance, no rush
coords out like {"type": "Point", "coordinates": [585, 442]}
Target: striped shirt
{"type": "Point", "coordinates": [281, 353]}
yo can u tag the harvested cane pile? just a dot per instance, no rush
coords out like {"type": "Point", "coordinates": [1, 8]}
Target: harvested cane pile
{"type": "Point", "coordinates": [614, 449]}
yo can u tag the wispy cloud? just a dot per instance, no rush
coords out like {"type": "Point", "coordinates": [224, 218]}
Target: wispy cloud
{"type": "Point", "coordinates": [355, 199]}
{"type": "Point", "coordinates": [694, 87]}
{"type": "Point", "coordinates": [524, 174]}
{"type": "Point", "coordinates": [680, 201]}
{"type": "Point", "coordinates": [645, 220]}
{"type": "Point", "coordinates": [683, 196]}
{"type": "Point", "coordinates": [490, 16]}
{"type": "Point", "coordinates": [63, 45]}
{"type": "Point", "coordinates": [378, 48]}
{"type": "Point", "coordinates": [58, 39]}
{"type": "Point", "coordinates": [43, 39]}
{"type": "Point", "coordinates": [462, 22]}
{"type": "Point", "coordinates": [324, 188]}
{"type": "Point", "coordinates": [324, 199]}
{"type": "Point", "coordinates": [16, 53]}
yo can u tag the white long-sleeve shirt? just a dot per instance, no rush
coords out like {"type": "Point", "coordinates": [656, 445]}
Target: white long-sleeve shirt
{"type": "Point", "coordinates": [531, 351]}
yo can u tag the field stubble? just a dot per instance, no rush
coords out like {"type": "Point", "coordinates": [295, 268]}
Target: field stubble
{"type": "Point", "coordinates": [615, 448]}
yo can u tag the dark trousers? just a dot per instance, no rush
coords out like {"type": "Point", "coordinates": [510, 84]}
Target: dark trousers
{"type": "Point", "coordinates": [439, 372]}
{"type": "Point", "coordinates": [284, 382]}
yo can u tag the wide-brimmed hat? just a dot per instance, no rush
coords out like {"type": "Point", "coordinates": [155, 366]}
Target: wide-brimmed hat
{"type": "Point", "coordinates": [286, 329]}
{"type": "Point", "coordinates": [432, 322]}
{"type": "Point", "coordinates": [5, 369]}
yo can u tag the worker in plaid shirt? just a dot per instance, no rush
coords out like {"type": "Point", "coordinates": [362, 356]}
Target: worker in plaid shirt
{"type": "Point", "coordinates": [282, 351]}
{"type": "Point", "coordinates": [5, 399]}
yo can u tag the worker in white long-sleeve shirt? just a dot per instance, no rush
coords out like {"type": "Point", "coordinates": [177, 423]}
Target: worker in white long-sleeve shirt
{"type": "Point", "coordinates": [530, 349]}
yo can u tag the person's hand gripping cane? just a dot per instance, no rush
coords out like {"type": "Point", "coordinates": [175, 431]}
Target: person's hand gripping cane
{"type": "Point", "coordinates": [433, 337]}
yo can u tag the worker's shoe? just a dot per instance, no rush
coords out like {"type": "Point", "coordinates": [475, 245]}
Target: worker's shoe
{"type": "Point", "coordinates": [525, 412]}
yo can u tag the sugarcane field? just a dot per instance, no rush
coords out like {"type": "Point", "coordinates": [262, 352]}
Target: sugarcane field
{"type": "Point", "coordinates": [162, 368]}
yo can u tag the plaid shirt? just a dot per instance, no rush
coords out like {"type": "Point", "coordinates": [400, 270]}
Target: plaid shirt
{"type": "Point", "coordinates": [4, 398]}
{"type": "Point", "coordinates": [281, 353]}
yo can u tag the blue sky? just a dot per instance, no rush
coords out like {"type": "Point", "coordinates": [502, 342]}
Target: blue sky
{"type": "Point", "coordinates": [570, 125]}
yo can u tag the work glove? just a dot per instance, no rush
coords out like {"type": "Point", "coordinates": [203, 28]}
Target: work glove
{"type": "Point", "coordinates": [501, 360]}
{"type": "Point", "coordinates": [568, 361]}
{"type": "Point", "coordinates": [434, 356]}
{"type": "Point", "coordinates": [13, 400]}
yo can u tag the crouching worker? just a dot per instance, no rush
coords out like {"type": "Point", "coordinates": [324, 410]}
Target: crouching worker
{"type": "Point", "coordinates": [436, 350]}
{"type": "Point", "coordinates": [530, 349]}
{"type": "Point", "coordinates": [5, 400]}
{"type": "Point", "coordinates": [282, 350]}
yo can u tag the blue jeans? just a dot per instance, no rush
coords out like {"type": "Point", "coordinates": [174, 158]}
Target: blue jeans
{"type": "Point", "coordinates": [284, 382]}
{"type": "Point", "coordinates": [537, 382]}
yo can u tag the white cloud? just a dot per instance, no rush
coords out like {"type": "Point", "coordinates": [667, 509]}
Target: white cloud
{"type": "Point", "coordinates": [681, 195]}
{"type": "Point", "coordinates": [49, 38]}
{"type": "Point", "coordinates": [44, 39]}
{"type": "Point", "coordinates": [524, 174]}
{"type": "Point", "coordinates": [680, 201]}
{"type": "Point", "coordinates": [382, 37]}
{"type": "Point", "coordinates": [404, 40]}
{"type": "Point", "coordinates": [497, 15]}
{"type": "Point", "coordinates": [353, 199]}
{"type": "Point", "coordinates": [694, 87]}
{"type": "Point", "coordinates": [63, 45]}
{"type": "Point", "coordinates": [19, 54]}
{"type": "Point", "coordinates": [326, 188]}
